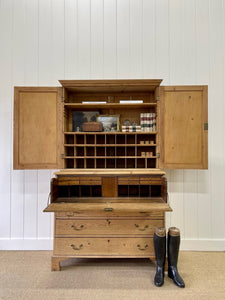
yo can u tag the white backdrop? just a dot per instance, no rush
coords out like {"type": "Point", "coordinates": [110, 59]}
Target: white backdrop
{"type": "Point", "coordinates": [180, 41]}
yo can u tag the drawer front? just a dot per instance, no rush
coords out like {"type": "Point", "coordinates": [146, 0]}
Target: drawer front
{"type": "Point", "coordinates": [108, 214]}
{"type": "Point", "coordinates": [151, 181]}
{"type": "Point", "coordinates": [104, 246]}
{"type": "Point", "coordinates": [132, 180]}
{"type": "Point", "coordinates": [107, 226]}
{"type": "Point", "coordinates": [90, 180]}
{"type": "Point", "coordinates": [68, 180]}
{"type": "Point", "coordinates": [82, 180]}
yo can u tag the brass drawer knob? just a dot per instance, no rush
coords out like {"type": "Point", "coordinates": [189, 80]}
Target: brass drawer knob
{"type": "Point", "coordinates": [77, 228]}
{"type": "Point", "coordinates": [141, 229]}
{"type": "Point", "coordinates": [142, 249]}
{"type": "Point", "coordinates": [76, 248]}
{"type": "Point", "coordinates": [69, 214]}
{"type": "Point", "coordinates": [108, 209]}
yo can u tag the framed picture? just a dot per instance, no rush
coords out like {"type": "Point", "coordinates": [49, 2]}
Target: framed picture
{"type": "Point", "coordinates": [80, 117]}
{"type": "Point", "coordinates": [111, 123]}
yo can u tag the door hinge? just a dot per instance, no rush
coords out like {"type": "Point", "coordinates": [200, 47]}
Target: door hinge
{"type": "Point", "coordinates": [205, 126]}
{"type": "Point", "coordinates": [158, 155]}
{"type": "Point", "coordinates": [62, 156]}
{"type": "Point", "coordinates": [63, 95]}
{"type": "Point", "coordinates": [158, 98]}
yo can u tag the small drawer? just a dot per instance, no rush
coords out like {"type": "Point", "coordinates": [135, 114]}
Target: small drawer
{"type": "Point", "coordinates": [134, 180]}
{"type": "Point", "coordinates": [90, 180]}
{"type": "Point", "coordinates": [150, 180]}
{"type": "Point", "coordinates": [68, 180]}
{"type": "Point", "coordinates": [117, 246]}
{"type": "Point", "coordinates": [106, 227]}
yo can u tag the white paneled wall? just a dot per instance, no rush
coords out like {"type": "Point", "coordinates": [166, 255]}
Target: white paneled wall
{"type": "Point", "coordinates": [180, 41]}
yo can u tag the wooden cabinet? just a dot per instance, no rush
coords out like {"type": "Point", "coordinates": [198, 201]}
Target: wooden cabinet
{"type": "Point", "coordinates": [90, 222]}
{"type": "Point", "coordinates": [44, 137]}
{"type": "Point", "coordinates": [110, 194]}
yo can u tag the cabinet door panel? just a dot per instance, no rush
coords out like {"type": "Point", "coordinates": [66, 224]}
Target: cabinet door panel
{"type": "Point", "coordinates": [38, 134]}
{"type": "Point", "coordinates": [183, 136]}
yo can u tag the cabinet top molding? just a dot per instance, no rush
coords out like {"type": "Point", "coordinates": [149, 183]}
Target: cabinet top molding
{"type": "Point", "coordinates": [111, 85]}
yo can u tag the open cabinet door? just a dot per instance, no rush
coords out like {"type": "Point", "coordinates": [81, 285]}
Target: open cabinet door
{"type": "Point", "coordinates": [183, 127]}
{"type": "Point", "coordinates": [38, 132]}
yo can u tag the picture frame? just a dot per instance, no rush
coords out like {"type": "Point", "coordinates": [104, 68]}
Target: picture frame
{"type": "Point", "coordinates": [80, 117]}
{"type": "Point", "coordinates": [111, 123]}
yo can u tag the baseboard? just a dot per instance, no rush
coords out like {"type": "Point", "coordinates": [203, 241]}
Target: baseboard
{"type": "Point", "coordinates": [203, 245]}
{"type": "Point", "coordinates": [26, 244]}
{"type": "Point", "coordinates": [47, 244]}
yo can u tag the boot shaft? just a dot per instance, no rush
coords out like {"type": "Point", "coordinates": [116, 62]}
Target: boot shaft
{"type": "Point", "coordinates": [160, 254]}
{"type": "Point", "coordinates": [160, 246]}
{"type": "Point", "coordinates": [173, 245]}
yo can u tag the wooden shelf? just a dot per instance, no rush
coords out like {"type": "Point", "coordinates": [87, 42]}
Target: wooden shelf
{"type": "Point", "coordinates": [110, 171]}
{"type": "Point", "coordinates": [91, 106]}
{"type": "Point", "coordinates": [110, 145]}
{"type": "Point", "coordinates": [109, 133]}
{"type": "Point", "coordinates": [108, 157]}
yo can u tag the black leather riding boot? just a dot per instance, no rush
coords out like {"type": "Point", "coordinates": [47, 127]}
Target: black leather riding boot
{"type": "Point", "coordinates": [173, 251]}
{"type": "Point", "coordinates": [160, 254]}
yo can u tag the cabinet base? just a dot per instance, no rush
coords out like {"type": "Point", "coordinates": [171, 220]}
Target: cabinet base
{"type": "Point", "coordinates": [55, 260]}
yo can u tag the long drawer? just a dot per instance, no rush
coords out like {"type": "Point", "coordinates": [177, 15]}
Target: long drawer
{"type": "Point", "coordinates": [104, 246]}
{"type": "Point", "coordinates": [106, 226]}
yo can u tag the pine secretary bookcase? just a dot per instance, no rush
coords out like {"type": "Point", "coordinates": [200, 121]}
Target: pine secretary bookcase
{"type": "Point", "coordinates": [111, 192]}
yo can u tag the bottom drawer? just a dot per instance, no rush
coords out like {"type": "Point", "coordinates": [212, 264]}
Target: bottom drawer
{"type": "Point", "coordinates": [104, 246]}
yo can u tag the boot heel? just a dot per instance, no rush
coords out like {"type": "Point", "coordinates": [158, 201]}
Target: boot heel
{"type": "Point", "coordinates": [170, 274]}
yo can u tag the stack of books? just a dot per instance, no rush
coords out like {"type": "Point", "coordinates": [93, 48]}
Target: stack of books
{"type": "Point", "coordinates": [136, 128]}
{"type": "Point", "coordinates": [148, 122]}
